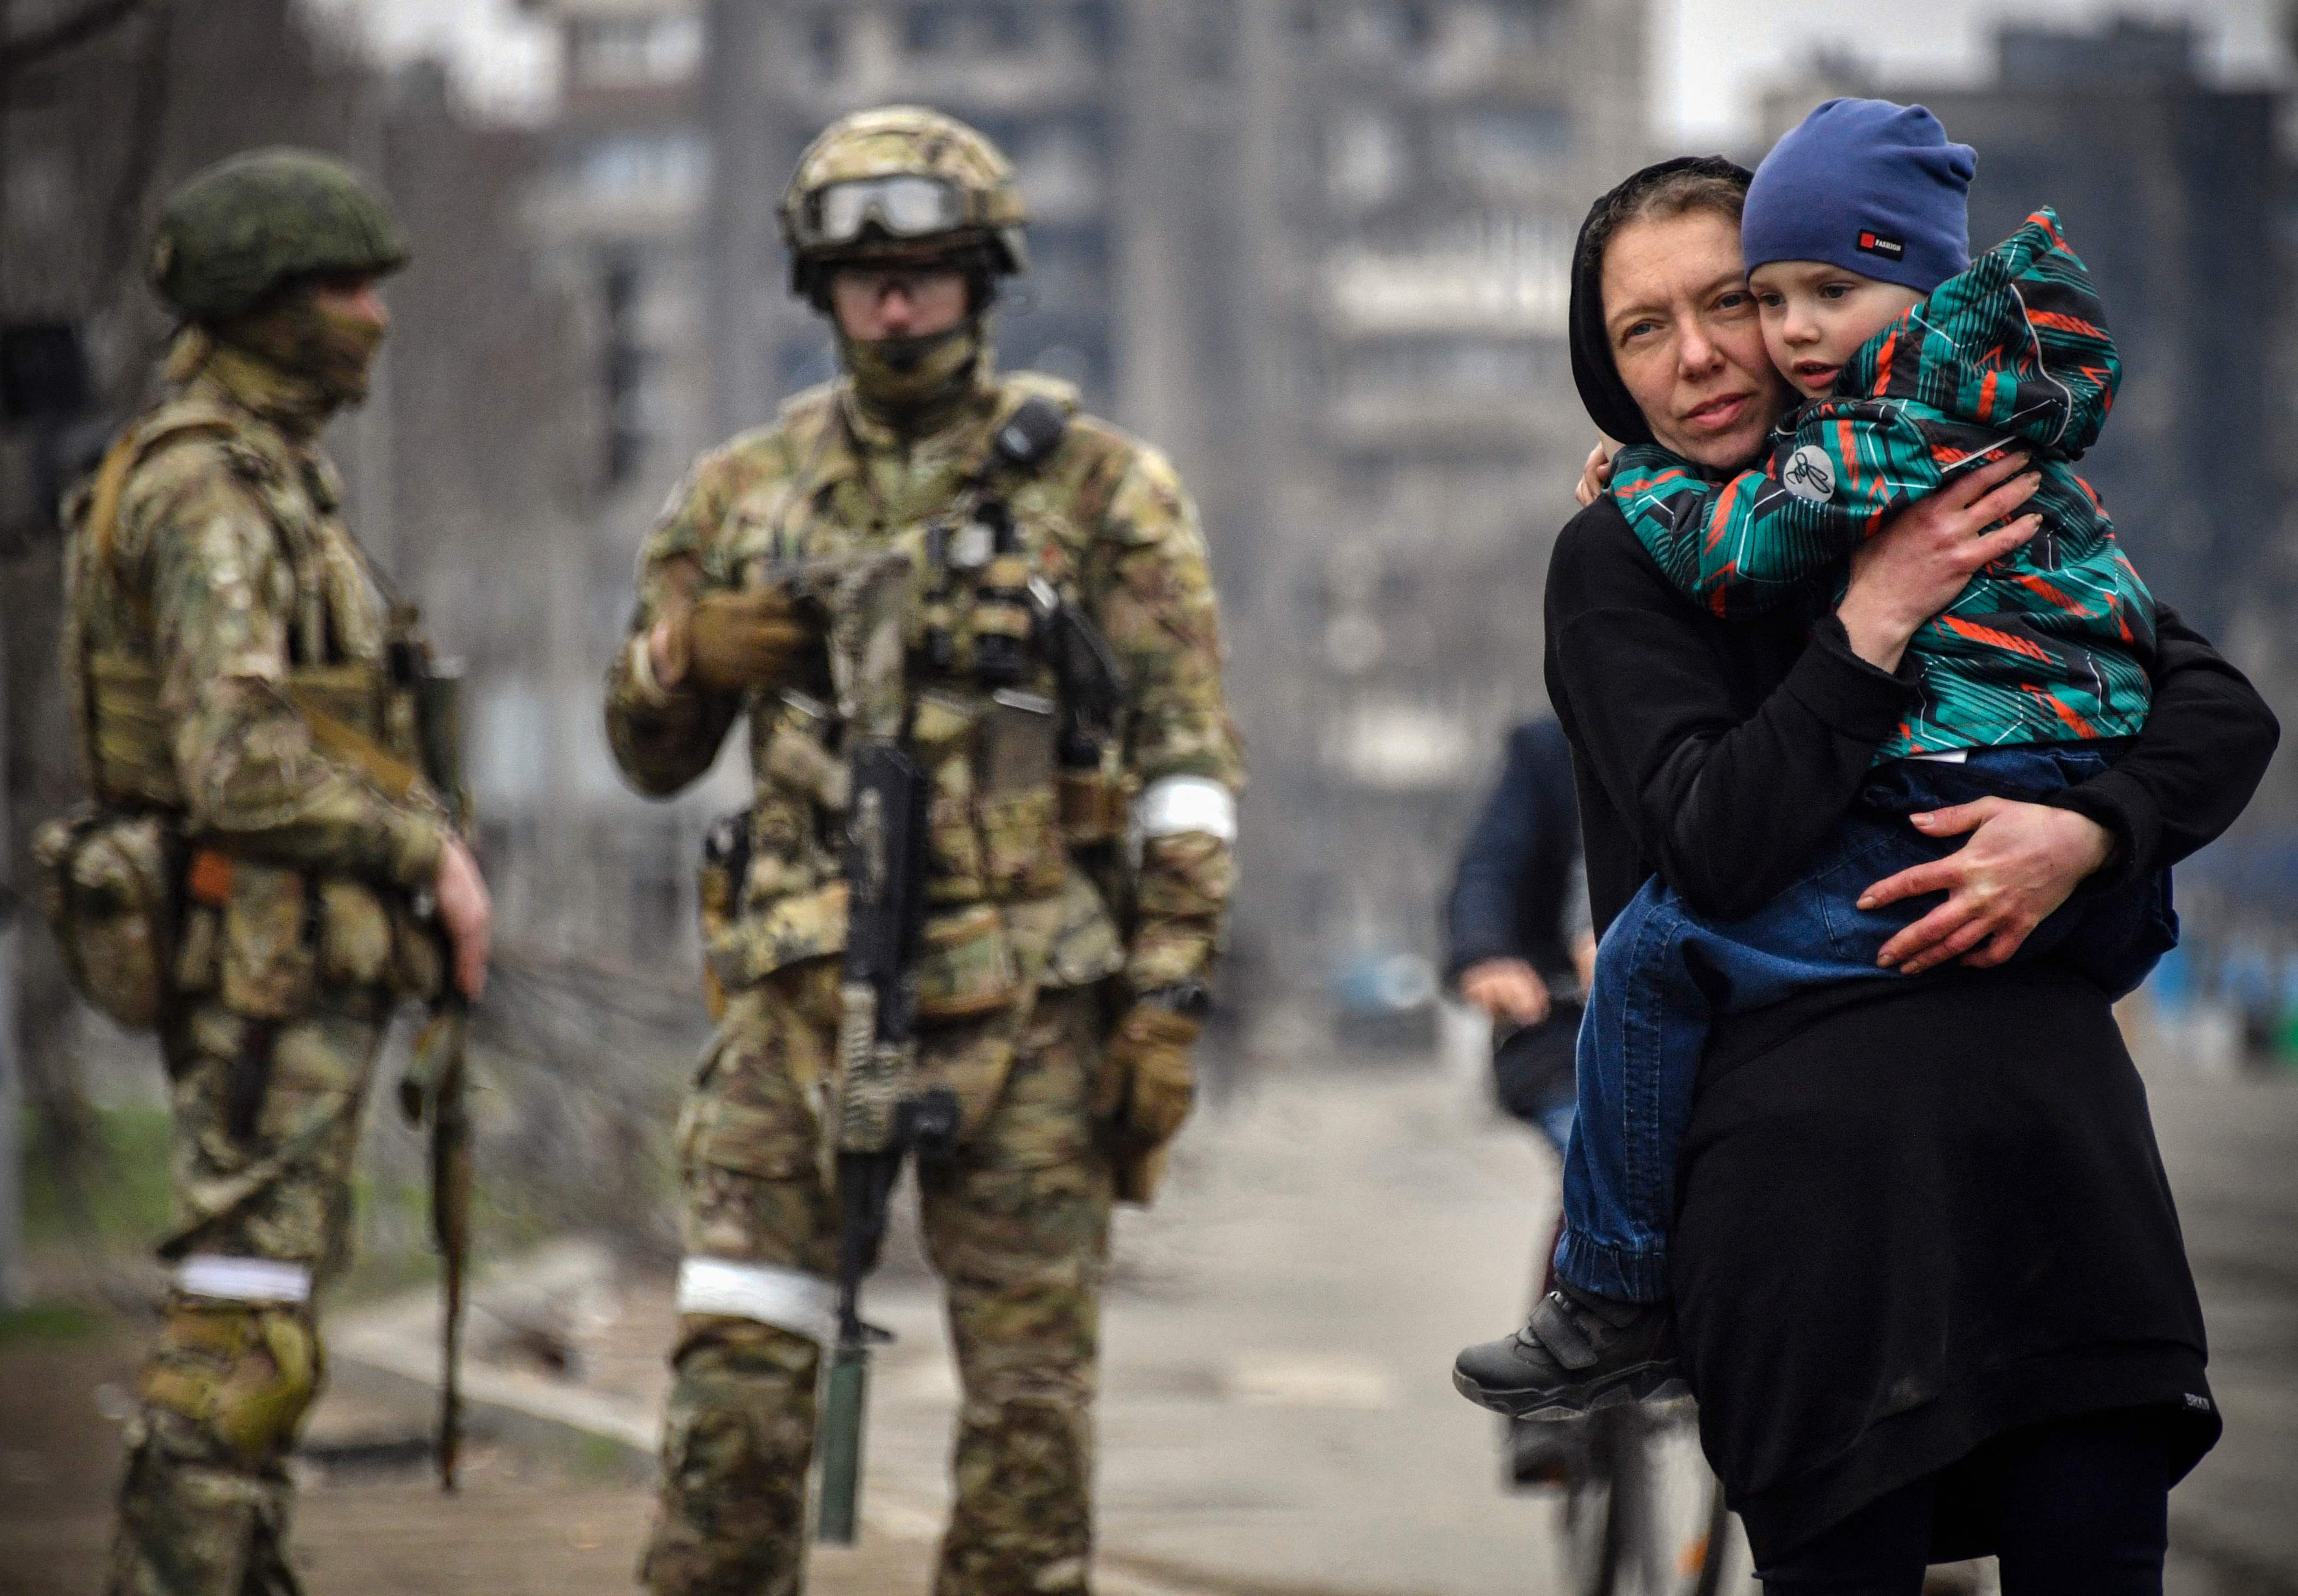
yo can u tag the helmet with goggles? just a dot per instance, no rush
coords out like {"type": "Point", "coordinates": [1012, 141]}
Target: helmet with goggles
{"type": "Point", "coordinates": [899, 183]}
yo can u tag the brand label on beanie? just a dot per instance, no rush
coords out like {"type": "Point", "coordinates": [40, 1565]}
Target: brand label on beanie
{"type": "Point", "coordinates": [1809, 475]}
{"type": "Point", "coordinates": [1875, 243]}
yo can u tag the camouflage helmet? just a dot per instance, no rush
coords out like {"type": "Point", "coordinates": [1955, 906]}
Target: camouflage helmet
{"type": "Point", "coordinates": [237, 230]}
{"type": "Point", "coordinates": [900, 180]}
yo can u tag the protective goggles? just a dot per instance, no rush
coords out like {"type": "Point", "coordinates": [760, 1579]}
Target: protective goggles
{"type": "Point", "coordinates": [903, 207]}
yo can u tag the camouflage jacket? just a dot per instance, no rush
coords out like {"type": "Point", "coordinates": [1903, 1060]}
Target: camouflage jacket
{"type": "Point", "coordinates": [225, 583]}
{"type": "Point", "coordinates": [2048, 644]}
{"type": "Point", "coordinates": [1105, 522]}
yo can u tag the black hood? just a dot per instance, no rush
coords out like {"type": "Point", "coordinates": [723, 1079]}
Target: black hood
{"type": "Point", "coordinates": [1609, 406]}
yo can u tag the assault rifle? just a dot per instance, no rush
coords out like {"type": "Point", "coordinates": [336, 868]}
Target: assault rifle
{"type": "Point", "coordinates": [879, 1117]}
{"type": "Point", "coordinates": [433, 1089]}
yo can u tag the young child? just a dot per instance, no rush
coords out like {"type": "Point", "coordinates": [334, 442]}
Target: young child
{"type": "Point", "coordinates": [1917, 365]}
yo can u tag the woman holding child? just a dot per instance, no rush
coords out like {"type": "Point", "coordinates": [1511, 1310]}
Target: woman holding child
{"type": "Point", "coordinates": [1909, 1240]}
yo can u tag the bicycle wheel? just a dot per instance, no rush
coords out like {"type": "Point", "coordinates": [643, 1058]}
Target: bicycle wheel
{"type": "Point", "coordinates": [1648, 1517]}
{"type": "Point", "coordinates": [1588, 1536]}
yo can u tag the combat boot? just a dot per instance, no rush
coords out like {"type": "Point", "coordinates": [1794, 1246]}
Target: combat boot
{"type": "Point", "coordinates": [1579, 1353]}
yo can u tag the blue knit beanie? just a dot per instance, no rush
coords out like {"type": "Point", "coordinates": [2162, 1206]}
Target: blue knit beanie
{"type": "Point", "coordinates": [1868, 185]}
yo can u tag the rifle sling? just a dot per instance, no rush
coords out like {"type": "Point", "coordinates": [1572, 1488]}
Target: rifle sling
{"type": "Point", "coordinates": [338, 739]}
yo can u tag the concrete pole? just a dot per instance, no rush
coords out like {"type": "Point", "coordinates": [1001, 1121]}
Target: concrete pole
{"type": "Point", "coordinates": [740, 243]}
{"type": "Point", "coordinates": [13, 1283]}
{"type": "Point", "coordinates": [1161, 232]}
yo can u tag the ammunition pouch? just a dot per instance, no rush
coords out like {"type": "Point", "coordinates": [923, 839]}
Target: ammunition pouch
{"type": "Point", "coordinates": [967, 968]}
{"type": "Point", "coordinates": [107, 883]}
{"type": "Point", "coordinates": [1095, 807]}
{"type": "Point", "coordinates": [142, 915]}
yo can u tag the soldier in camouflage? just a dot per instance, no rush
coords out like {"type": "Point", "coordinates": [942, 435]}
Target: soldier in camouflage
{"type": "Point", "coordinates": [219, 620]}
{"type": "Point", "coordinates": [1061, 981]}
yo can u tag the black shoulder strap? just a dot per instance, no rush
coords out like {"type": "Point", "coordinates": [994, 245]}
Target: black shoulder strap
{"type": "Point", "coordinates": [1031, 434]}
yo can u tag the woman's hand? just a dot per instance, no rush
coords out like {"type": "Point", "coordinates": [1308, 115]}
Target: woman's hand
{"type": "Point", "coordinates": [1596, 475]}
{"type": "Point", "coordinates": [1919, 563]}
{"type": "Point", "coordinates": [2023, 861]}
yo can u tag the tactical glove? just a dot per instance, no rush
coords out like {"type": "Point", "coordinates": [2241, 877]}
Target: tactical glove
{"type": "Point", "coordinates": [736, 641]}
{"type": "Point", "coordinates": [1150, 1083]}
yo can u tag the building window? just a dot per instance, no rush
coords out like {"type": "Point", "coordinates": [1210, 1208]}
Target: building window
{"type": "Point", "coordinates": [1526, 25]}
{"type": "Point", "coordinates": [629, 166]}
{"type": "Point", "coordinates": [1390, 30]}
{"type": "Point", "coordinates": [929, 30]}
{"type": "Point", "coordinates": [825, 44]}
{"type": "Point", "coordinates": [1367, 158]}
{"type": "Point", "coordinates": [1502, 147]}
{"type": "Point", "coordinates": [637, 51]}
{"type": "Point", "coordinates": [1485, 367]}
{"type": "Point", "coordinates": [1007, 27]}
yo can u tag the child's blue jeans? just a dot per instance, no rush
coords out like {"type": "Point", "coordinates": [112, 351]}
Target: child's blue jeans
{"type": "Point", "coordinates": [1663, 973]}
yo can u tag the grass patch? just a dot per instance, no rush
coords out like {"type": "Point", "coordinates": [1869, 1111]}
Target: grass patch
{"type": "Point", "coordinates": [47, 1322]}
{"type": "Point", "coordinates": [127, 1203]}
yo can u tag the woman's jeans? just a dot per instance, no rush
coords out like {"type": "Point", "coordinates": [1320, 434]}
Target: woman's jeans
{"type": "Point", "coordinates": [2078, 1508]}
{"type": "Point", "coordinates": [1664, 972]}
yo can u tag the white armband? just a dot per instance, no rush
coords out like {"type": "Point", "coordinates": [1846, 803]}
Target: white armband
{"type": "Point", "coordinates": [243, 1279]}
{"type": "Point", "coordinates": [766, 1294]}
{"type": "Point", "coordinates": [1175, 805]}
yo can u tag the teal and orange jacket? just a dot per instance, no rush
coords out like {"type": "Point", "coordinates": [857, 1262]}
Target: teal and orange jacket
{"type": "Point", "coordinates": [2048, 644]}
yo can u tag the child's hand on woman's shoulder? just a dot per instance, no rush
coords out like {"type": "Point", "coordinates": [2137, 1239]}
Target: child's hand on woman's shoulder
{"type": "Point", "coordinates": [1596, 475]}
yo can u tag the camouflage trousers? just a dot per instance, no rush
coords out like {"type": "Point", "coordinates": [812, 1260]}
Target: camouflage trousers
{"type": "Point", "coordinates": [266, 1126]}
{"type": "Point", "coordinates": [1017, 1226]}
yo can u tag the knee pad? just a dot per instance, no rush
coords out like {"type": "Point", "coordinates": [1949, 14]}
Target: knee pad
{"type": "Point", "coordinates": [243, 1375]}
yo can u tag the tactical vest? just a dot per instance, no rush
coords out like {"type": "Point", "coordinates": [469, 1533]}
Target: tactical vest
{"type": "Point", "coordinates": [146, 913]}
{"type": "Point", "coordinates": [1014, 810]}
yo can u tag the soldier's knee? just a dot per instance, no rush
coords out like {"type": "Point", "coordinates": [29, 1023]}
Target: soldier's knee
{"type": "Point", "coordinates": [738, 1433]}
{"type": "Point", "coordinates": [237, 1375]}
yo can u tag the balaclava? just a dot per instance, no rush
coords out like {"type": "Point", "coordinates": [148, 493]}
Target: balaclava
{"type": "Point", "coordinates": [906, 382]}
{"type": "Point", "coordinates": [291, 360]}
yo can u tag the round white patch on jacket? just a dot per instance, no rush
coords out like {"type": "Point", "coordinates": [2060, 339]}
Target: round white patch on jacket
{"type": "Point", "coordinates": [1809, 475]}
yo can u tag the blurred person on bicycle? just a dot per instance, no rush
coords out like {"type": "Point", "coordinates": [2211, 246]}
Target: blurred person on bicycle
{"type": "Point", "coordinates": [1521, 946]}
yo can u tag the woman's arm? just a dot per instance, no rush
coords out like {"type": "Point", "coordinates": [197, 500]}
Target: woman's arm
{"type": "Point", "coordinates": [2196, 763]}
{"type": "Point", "coordinates": [2200, 756]}
{"type": "Point", "coordinates": [1727, 808]}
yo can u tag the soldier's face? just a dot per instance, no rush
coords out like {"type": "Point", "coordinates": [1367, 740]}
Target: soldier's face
{"type": "Point", "coordinates": [351, 300]}
{"type": "Point", "coordinates": [874, 302]}
{"type": "Point", "coordinates": [1685, 333]}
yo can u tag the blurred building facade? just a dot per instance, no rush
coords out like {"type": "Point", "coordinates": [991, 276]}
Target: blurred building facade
{"type": "Point", "coordinates": [618, 216]}
{"type": "Point", "coordinates": [1415, 176]}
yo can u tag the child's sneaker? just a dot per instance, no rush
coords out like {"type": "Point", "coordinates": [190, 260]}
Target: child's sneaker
{"type": "Point", "coordinates": [1578, 1353]}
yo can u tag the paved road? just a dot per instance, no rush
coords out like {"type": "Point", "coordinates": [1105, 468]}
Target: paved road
{"type": "Point", "coordinates": [2230, 1145]}
{"type": "Point", "coordinates": [1276, 1414]}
